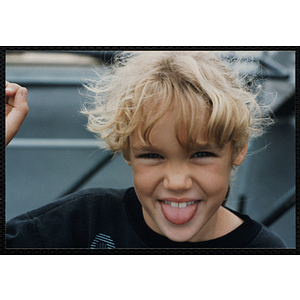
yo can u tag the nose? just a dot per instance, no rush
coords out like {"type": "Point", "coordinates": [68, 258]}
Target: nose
{"type": "Point", "coordinates": [177, 179]}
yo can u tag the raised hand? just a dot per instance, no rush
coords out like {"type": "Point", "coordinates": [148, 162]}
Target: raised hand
{"type": "Point", "coordinates": [16, 109]}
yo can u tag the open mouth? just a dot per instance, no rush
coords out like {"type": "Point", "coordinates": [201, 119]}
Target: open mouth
{"type": "Point", "coordinates": [179, 213]}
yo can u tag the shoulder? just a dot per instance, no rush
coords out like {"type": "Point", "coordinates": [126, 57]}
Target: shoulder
{"type": "Point", "coordinates": [67, 221]}
{"type": "Point", "coordinates": [259, 236]}
{"type": "Point", "coordinates": [82, 200]}
{"type": "Point", "coordinates": [267, 239]}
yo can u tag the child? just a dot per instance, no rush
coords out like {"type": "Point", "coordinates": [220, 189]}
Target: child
{"type": "Point", "coordinates": [182, 121]}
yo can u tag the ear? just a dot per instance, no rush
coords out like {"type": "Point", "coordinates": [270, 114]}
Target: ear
{"type": "Point", "coordinates": [126, 153]}
{"type": "Point", "coordinates": [126, 157]}
{"type": "Point", "coordinates": [241, 156]}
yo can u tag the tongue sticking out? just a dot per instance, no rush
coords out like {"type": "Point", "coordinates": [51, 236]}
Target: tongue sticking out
{"type": "Point", "coordinates": [178, 215]}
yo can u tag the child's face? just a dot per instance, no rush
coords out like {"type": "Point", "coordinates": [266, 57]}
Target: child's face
{"type": "Point", "coordinates": [167, 176]}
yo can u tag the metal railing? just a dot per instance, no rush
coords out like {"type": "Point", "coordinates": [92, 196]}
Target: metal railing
{"type": "Point", "coordinates": [279, 207]}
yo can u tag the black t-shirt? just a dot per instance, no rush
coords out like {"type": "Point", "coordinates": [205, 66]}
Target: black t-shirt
{"type": "Point", "coordinates": [109, 218]}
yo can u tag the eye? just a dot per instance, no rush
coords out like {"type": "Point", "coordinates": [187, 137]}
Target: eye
{"type": "Point", "coordinates": [151, 156]}
{"type": "Point", "coordinates": [203, 154]}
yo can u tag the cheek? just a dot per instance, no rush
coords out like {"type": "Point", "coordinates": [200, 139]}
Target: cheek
{"type": "Point", "coordinates": [216, 182]}
{"type": "Point", "coordinates": [145, 179]}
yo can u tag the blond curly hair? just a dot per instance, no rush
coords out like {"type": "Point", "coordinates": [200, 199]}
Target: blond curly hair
{"type": "Point", "coordinates": [143, 86]}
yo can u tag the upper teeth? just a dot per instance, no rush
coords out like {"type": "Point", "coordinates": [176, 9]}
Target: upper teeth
{"type": "Point", "coordinates": [180, 205]}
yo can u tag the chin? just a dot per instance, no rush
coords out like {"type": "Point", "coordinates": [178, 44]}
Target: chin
{"type": "Point", "coordinates": [180, 236]}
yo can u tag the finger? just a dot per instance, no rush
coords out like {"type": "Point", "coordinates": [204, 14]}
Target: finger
{"type": "Point", "coordinates": [11, 89]}
{"type": "Point", "coordinates": [19, 101]}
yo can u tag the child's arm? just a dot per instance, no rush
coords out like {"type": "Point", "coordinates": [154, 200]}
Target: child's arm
{"type": "Point", "coordinates": [16, 109]}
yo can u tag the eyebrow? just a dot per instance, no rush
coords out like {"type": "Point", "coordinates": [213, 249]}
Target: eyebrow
{"type": "Point", "coordinates": [197, 147]}
{"type": "Point", "coordinates": [204, 147]}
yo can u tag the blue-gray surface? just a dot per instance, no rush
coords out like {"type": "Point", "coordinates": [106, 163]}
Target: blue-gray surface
{"type": "Point", "coordinates": [37, 174]}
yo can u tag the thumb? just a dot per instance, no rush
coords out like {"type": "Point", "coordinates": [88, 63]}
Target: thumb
{"type": "Point", "coordinates": [20, 100]}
